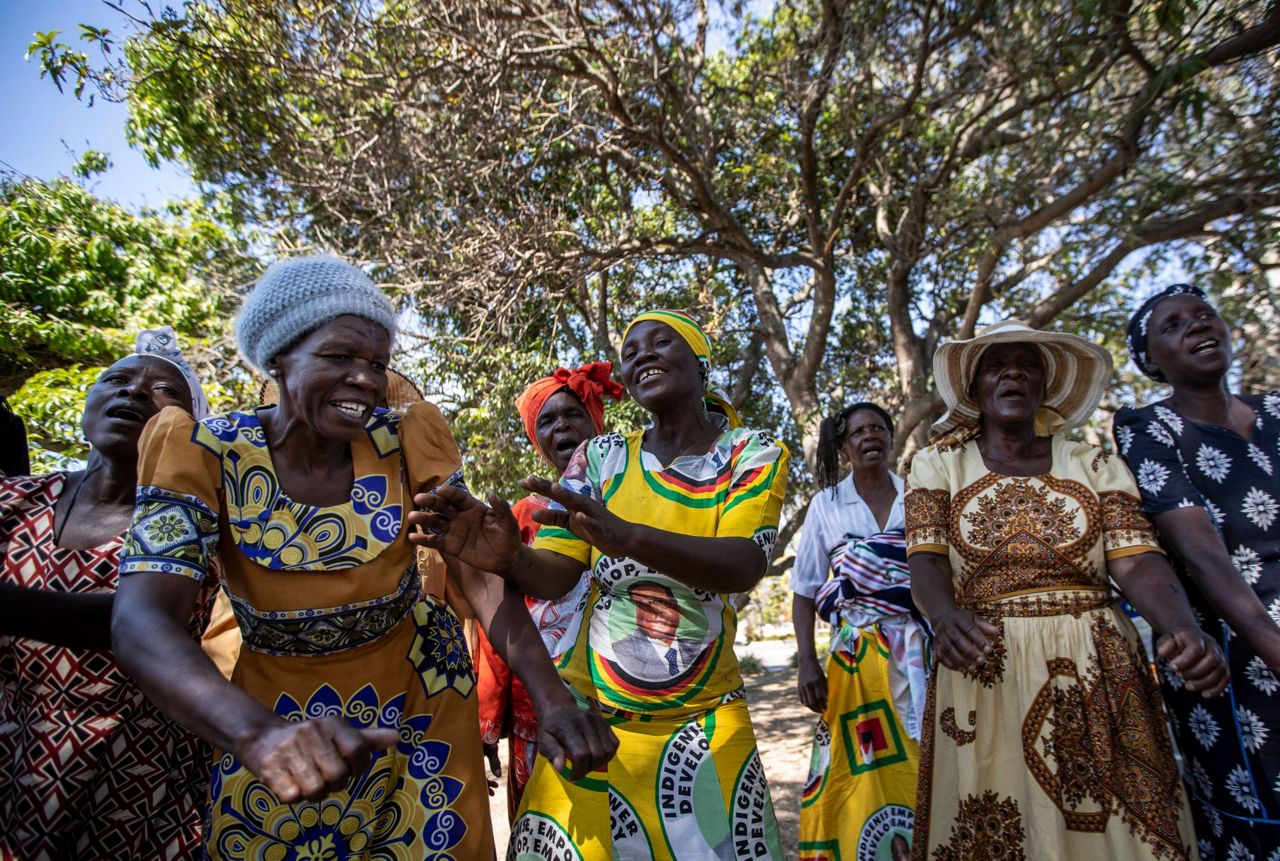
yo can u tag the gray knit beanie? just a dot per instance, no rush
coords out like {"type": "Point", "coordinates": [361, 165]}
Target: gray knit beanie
{"type": "Point", "coordinates": [298, 295]}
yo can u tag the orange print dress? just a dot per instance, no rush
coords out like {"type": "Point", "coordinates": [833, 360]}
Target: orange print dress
{"type": "Point", "coordinates": [1056, 748]}
{"type": "Point", "coordinates": [334, 623]}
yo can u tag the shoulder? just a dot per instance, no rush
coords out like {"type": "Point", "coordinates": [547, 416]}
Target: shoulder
{"type": "Point", "coordinates": [422, 422]}
{"type": "Point", "coordinates": [29, 491]}
{"type": "Point", "coordinates": [1083, 455]}
{"type": "Point", "coordinates": [215, 433]}
{"type": "Point", "coordinates": [933, 456]}
{"type": "Point", "coordinates": [1267, 406]}
{"type": "Point", "coordinates": [753, 441]}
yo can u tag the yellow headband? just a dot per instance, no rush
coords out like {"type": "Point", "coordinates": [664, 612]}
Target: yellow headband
{"type": "Point", "coordinates": [693, 335]}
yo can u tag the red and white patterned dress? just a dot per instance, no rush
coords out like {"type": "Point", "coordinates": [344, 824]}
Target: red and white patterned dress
{"type": "Point", "coordinates": [89, 768]}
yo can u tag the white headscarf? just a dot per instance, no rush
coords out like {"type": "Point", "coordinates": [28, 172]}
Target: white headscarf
{"type": "Point", "coordinates": [162, 343]}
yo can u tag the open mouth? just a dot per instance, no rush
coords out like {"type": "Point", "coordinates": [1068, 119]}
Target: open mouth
{"type": "Point", "coordinates": [567, 445]}
{"type": "Point", "coordinates": [351, 409]}
{"type": "Point", "coordinates": [649, 374]}
{"type": "Point", "coordinates": [872, 449]}
{"type": "Point", "coordinates": [1205, 346]}
{"type": "Point", "coordinates": [128, 414]}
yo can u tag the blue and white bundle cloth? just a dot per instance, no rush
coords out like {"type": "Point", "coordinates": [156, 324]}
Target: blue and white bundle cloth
{"type": "Point", "coordinates": [871, 585]}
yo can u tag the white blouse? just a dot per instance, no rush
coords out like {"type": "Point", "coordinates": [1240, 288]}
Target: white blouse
{"type": "Point", "coordinates": [831, 520]}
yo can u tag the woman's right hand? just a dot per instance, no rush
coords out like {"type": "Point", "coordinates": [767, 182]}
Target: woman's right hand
{"type": "Point", "coordinates": [812, 685]}
{"type": "Point", "coordinates": [459, 525]}
{"type": "Point", "coordinates": [312, 758]}
{"type": "Point", "coordinates": [962, 640]}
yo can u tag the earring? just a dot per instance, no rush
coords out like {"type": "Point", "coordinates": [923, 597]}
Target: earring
{"type": "Point", "coordinates": [275, 372]}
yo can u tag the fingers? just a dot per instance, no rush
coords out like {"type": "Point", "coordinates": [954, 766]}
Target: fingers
{"type": "Point", "coordinates": [495, 763]}
{"type": "Point", "coordinates": [277, 778]}
{"type": "Point", "coordinates": [301, 761]}
{"type": "Point", "coordinates": [1190, 650]}
{"type": "Point", "coordinates": [552, 517]}
{"type": "Point", "coordinates": [381, 738]}
{"type": "Point", "coordinates": [812, 698]}
{"type": "Point", "coordinates": [577, 737]}
{"type": "Point", "coordinates": [502, 509]}
{"type": "Point", "coordinates": [963, 641]}
{"type": "Point", "coordinates": [444, 495]}
{"type": "Point", "coordinates": [537, 484]}
{"type": "Point", "coordinates": [549, 747]}
{"type": "Point", "coordinates": [820, 695]}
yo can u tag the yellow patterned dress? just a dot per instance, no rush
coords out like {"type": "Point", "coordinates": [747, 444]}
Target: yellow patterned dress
{"type": "Point", "coordinates": [657, 657]}
{"type": "Point", "coordinates": [334, 622]}
{"type": "Point", "coordinates": [1057, 746]}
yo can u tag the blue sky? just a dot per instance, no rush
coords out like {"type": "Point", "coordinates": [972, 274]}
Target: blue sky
{"type": "Point", "coordinates": [43, 132]}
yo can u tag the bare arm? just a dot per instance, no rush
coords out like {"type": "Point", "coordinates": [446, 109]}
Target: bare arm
{"type": "Point", "coordinates": [729, 564]}
{"type": "Point", "coordinates": [564, 730]}
{"type": "Point", "coordinates": [961, 639]}
{"type": "Point", "coordinates": [488, 538]}
{"type": "Point", "coordinates": [811, 682]}
{"type": "Point", "coordinates": [1150, 584]}
{"type": "Point", "coordinates": [307, 759]}
{"type": "Point", "coordinates": [75, 620]}
{"type": "Point", "coordinates": [1194, 538]}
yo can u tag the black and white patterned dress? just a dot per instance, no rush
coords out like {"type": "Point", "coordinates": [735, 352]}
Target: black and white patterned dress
{"type": "Point", "coordinates": [1230, 745]}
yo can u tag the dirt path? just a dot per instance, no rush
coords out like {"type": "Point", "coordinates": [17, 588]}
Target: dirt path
{"type": "Point", "coordinates": [783, 731]}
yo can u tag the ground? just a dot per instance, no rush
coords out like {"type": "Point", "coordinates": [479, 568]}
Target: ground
{"type": "Point", "coordinates": [783, 731]}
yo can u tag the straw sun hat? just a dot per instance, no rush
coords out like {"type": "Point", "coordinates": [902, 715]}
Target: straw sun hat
{"type": "Point", "coordinates": [401, 393]}
{"type": "Point", "coordinates": [1076, 375]}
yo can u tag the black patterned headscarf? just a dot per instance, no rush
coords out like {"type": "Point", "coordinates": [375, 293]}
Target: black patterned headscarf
{"type": "Point", "coordinates": [1137, 338]}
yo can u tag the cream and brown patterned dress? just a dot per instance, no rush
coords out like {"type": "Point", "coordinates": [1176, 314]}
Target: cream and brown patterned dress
{"type": "Point", "coordinates": [1056, 747]}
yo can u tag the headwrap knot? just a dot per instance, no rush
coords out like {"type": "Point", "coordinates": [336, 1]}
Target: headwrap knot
{"type": "Point", "coordinates": [162, 343]}
{"type": "Point", "coordinates": [693, 335]}
{"type": "Point", "coordinates": [590, 383]}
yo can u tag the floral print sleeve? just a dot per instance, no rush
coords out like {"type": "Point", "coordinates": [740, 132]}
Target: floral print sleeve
{"type": "Point", "coordinates": [927, 503]}
{"type": "Point", "coordinates": [1147, 440]}
{"type": "Point", "coordinates": [175, 520]}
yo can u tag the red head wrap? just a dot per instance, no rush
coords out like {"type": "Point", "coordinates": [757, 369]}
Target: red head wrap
{"type": "Point", "coordinates": [591, 384]}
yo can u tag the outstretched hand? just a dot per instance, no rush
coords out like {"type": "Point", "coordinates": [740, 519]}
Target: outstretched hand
{"type": "Point", "coordinates": [583, 516]}
{"type": "Point", "coordinates": [459, 525]}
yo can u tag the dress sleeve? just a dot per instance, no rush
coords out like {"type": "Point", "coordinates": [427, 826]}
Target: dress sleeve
{"type": "Point", "coordinates": [812, 561]}
{"type": "Point", "coordinates": [1151, 451]}
{"type": "Point", "coordinates": [1126, 531]}
{"type": "Point", "coordinates": [927, 503]}
{"type": "Point", "coordinates": [175, 515]}
{"type": "Point", "coordinates": [582, 475]}
{"type": "Point", "coordinates": [753, 504]}
{"type": "Point", "coordinates": [430, 454]}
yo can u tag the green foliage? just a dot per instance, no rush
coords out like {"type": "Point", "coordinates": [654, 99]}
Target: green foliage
{"type": "Point", "coordinates": [81, 276]}
{"type": "Point", "coordinates": [834, 192]}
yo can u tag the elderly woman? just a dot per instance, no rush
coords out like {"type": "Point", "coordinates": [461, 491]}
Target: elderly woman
{"type": "Point", "coordinates": [669, 520]}
{"type": "Point", "coordinates": [854, 533]}
{"type": "Point", "coordinates": [349, 728]}
{"type": "Point", "coordinates": [1044, 736]}
{"type": "Point", "coordinates": [1206, 462]}
{"type": "Point", "coordinates": [559, 411]}
{"type": "Point", "coordinates": [89, 768]}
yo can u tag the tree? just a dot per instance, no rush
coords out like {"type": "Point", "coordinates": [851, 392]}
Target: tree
{"type": "Point", "coordinates": [952, 155]}
{"type": "Point", "coordinates": [834, 187]}
{"type": "Point", "coordinates": [81, 276]}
